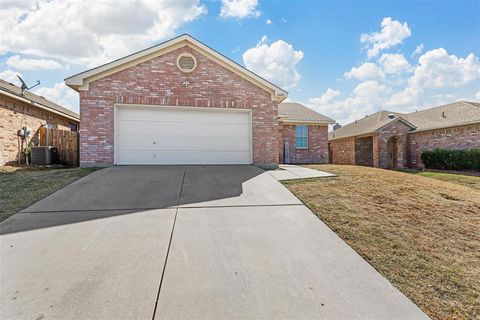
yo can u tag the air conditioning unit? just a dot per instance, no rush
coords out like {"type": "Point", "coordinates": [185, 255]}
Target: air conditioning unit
{"type": "Point", "coordinates": [44, 155]}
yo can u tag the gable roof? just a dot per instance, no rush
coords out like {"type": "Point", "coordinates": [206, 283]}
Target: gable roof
{"type": "Point", "coordinates": [297, 112]}
{"type": "Point", "coordinates": [368, 124]}
{"type": "Point", "coordinates": [81, 80]}
{"type": "Point", "coordinates": [15, 92]}
{"type": "Point", "coordinates": [444, 116]}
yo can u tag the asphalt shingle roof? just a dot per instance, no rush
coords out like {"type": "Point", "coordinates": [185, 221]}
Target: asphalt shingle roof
{"type": "Point", "coordinates": [293, 111]}
{"type": "Point", "coordinates": [445, 116]}
{"type": "Point", "coordinates": [13, 89]}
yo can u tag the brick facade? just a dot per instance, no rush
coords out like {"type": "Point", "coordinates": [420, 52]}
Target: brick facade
{"type": "Point", "coordinates": [159, 82]}
{"type": "Point", "coordinates": [449, 138]}
{"type": "Point", "coordinates": [364, 151]}
{"type": "Point", "coordinates": [342, 151]}
{"type": "Point", "coordinates": [15, 114]}
{"type": "Point", "coordinates": [317, 151]}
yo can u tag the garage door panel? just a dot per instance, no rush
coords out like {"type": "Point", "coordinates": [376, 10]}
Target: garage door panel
{"type": "Point", "coordinates": [146, 114]}
{"type": "Point", "coordinates": [139, 128]}
{"type": "Point", "coordinates": [184, 157]}
{"type": "Point", "coordinates": [132, 143]}
{"type": "Point", "coordinates": [172, 135]}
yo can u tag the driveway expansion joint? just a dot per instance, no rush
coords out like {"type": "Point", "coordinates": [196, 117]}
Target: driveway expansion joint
{"type": "Point", "coordinates": [169, 245]}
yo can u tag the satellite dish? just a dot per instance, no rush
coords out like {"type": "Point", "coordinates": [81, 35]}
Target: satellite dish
{"type": "Point", "coordinates": [24, 85]}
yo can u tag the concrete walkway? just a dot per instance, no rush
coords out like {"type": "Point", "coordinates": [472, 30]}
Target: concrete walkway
{"type": "Point", "coordinates": [176, 242]}
{"type": "Point", "coordinates": [291, 172]}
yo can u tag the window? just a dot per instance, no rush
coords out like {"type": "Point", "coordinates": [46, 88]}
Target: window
{"type": "Point", "coordinates": [73, 127]}
{"type": "Point", "coordinates": [301, 137]}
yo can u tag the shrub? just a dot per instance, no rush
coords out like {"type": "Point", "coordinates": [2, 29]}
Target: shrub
{"type": "Point", "coordinates": [445, 159]}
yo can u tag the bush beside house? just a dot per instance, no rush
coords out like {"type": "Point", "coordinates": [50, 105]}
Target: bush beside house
{"type": "Point", "coordinates": [446, 159]}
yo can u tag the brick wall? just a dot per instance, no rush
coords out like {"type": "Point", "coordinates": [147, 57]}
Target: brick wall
{"type": "Point", "coordinates": [343, 151]}
{"type": "Point", "coordinates": [398, 130]}
{"type": "Point", "coordinates": [159, 82]}
{"type": "Point", "coordinates": [317, 151]}
{"type": "Point", "coordinates": [364, 151]}
{"type": "Point", "coordinates": [450, 138]}
{"type": "Point", "coordinates": [14, 115]}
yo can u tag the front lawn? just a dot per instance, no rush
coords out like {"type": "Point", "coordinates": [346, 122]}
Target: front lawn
{"type": "Point", "coordinates": [468, 181]}
{"type": "Point", "coordinates": [22, 187]}
{"type": "Point", "coordinates": [422, 234]}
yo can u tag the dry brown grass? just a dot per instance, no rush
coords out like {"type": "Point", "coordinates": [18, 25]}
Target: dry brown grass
{"type": "Point", "coordinates": [420, 233]}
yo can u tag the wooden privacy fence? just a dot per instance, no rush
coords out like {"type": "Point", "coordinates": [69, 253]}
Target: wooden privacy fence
{"type": "Point", "coordinates": [66, 142]}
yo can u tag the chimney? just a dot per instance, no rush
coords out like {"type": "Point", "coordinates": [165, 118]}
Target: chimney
{"type": "Point", "coordinates": [337, 126]}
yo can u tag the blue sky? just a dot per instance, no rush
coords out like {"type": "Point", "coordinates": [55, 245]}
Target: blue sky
{"type": "Point", "coordinates": [344, 59]}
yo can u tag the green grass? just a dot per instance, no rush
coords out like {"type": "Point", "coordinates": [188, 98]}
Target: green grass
{"type": "Point", "coordinates": [22, 187]}
{"type": "Point", "coordinates": [468, 181]}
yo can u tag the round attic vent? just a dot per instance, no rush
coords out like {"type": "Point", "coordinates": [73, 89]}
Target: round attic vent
{"type": "Point", "coordinates": [186, 62]}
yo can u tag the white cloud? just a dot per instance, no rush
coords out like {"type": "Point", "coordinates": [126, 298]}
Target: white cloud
{"type": "Point", "coordinates": [275, 62]}
{"type": "Point", "coordinates": [366, 71]}
{"type": "Point", "coordinates": [326, 98]}
{"type": "Point", "coordinates": [477, 96]}
{"type": "Point", "coordinates": [418, 50]}
{"type": "Point", "coordinates": [393, 33]}
{"type": "Point", "coordinates": [10, 76]}
{"type": "Point", "coordinates": [394, 63]}
{"type": "Point", "coordinates": [19, 63]}
{"type": "Point", "coordinates": [268, 21]}
{"type": "Point", "coordinates": [239, 9]}
{"type": "Point", "coordinates": [367, 97]}
{"type": "Point", "coordinates": [437, 69]}
{"type": "Point", "coordinates": [409, 97]}
{"type": "Point", "coordinates": [61, 95]}
{"type": "Point", "coordinates": [85, 32]}
{"type": "Point", "coordinates": [21, 4]}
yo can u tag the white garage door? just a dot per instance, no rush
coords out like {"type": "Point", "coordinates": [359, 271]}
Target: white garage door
{"type": "Point", "coordinates": [173, 135]}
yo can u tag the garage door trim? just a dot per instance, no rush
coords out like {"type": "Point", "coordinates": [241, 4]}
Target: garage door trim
{"type": "Point", "coordinates": [186, 108]}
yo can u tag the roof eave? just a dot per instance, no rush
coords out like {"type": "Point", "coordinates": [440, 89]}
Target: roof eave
{"type": "Point", "coordinates": [292, 121]}
{"type": "Point", "coordinates": [39, 105]}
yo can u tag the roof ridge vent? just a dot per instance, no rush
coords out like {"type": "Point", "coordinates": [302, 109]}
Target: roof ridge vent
{"type": "Point", "coordinates": [391, 116]}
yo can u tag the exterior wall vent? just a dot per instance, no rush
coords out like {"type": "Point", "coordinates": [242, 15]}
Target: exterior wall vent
{"type": "Point", "coordinates": [186, 62]}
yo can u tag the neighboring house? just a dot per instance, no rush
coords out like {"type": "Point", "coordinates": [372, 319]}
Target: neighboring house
{"type": "Point", "coordinates": [304, 134]}
{"type": "Point", "coordinates": [395, 140]}
{"type": "Point", "coordinates": [181, 102]}
{"type": "Point", "coordinates": [27, 110]}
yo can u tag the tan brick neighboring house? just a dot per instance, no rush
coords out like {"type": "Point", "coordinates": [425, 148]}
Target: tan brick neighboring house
{"type": "Point", "coordinates": [179, 102]}
{"type": "Point", "coordinates": [395, 140]}
{"type": "Point", "coordinates": [29, 110]}
{"type": "Point", "coordinates": [304, 133]}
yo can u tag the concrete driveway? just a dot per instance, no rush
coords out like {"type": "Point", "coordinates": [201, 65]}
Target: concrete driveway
{"type": "Point", "coordinates": [177, 242]}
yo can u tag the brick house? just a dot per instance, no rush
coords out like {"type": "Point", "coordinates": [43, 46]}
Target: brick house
{"type": "Point", "coordinates": [19, 110]}
{"type": "Point", "coordinates": [304, 134]}
{"type": "Point", "coordinates": [395, 140]}
{"type": "Point", "coordinates": [181, 102]}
